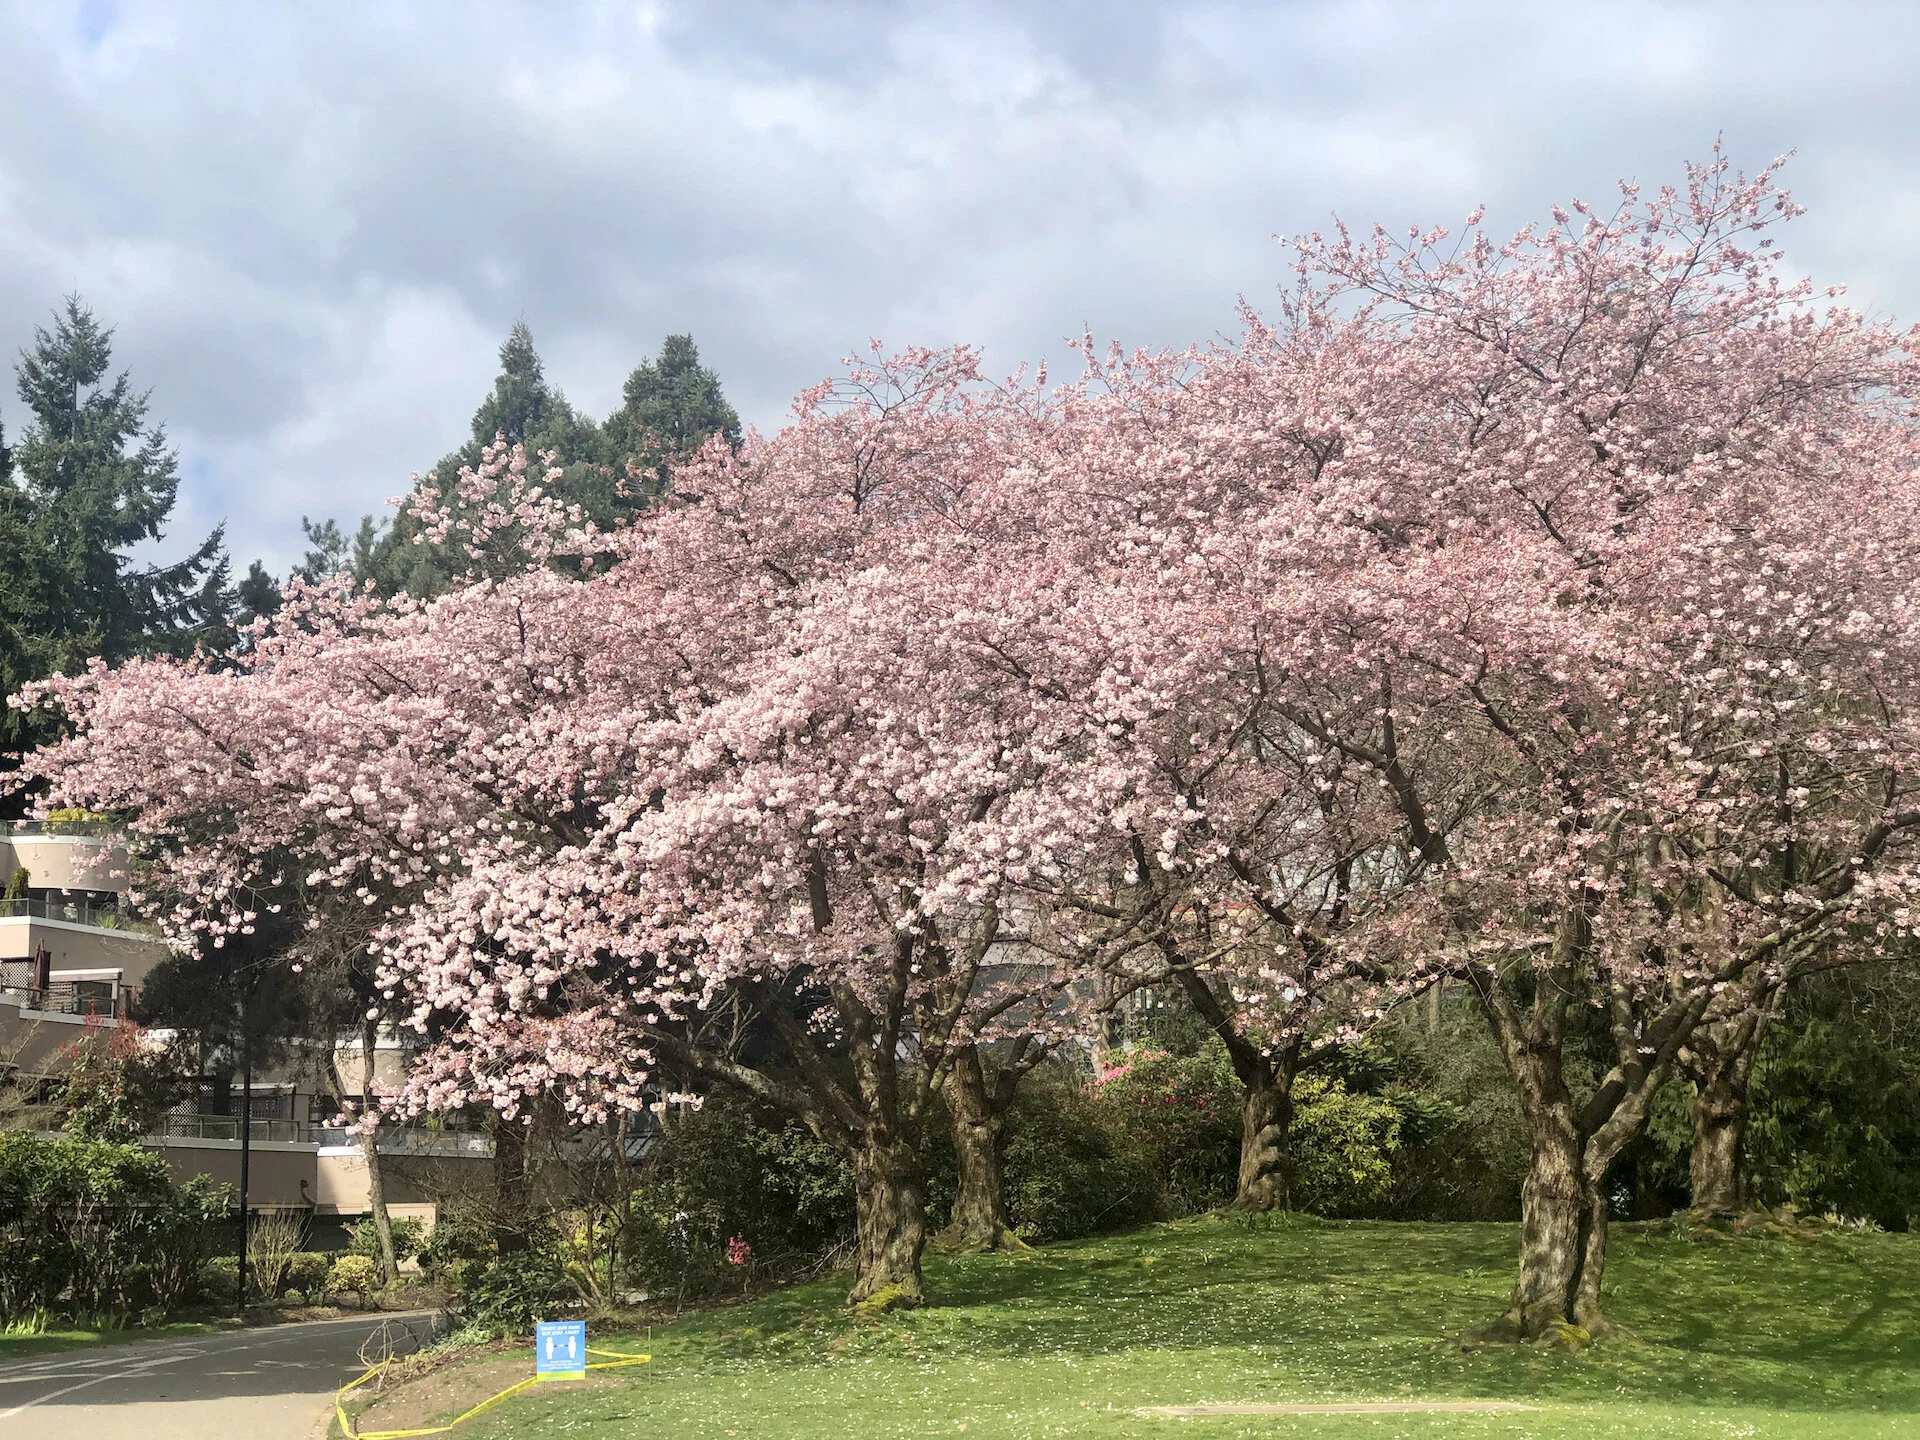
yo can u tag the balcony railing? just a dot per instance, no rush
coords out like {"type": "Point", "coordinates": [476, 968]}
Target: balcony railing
{"type": "Point", "coordinates": [227, 1127]}
{"type": "Point", "coordinates": [57, 827]}
{"type": "Point", "coordinates": [89, 998]}
{"type": "Point", "coordinates": [412, 1140]}
{"type": "Point", "coordinates": [394, 1139]}
{"type": "Point", "coordinates": [74, 912]}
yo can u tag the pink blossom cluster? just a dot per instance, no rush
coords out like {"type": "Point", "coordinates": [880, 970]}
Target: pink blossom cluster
{"type": "Point", "coordinates": [1485, 586]}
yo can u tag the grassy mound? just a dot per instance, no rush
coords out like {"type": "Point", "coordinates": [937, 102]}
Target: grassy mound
{"type": "Point", "coordinates": [1755, 1335]}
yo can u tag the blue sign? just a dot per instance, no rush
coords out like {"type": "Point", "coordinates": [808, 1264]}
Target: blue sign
{"type": "Point", "coordinates": [560, 1350]}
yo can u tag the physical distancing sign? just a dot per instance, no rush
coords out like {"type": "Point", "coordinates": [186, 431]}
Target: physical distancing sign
{"type": "Point", "coordinates": [560, 1350]}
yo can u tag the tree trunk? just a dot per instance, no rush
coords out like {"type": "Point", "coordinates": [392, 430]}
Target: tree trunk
{"type": "Point", "coordinates": [1562, 1234]}
{"type": "Point", "coordinates": [893, 1226]}
{"type": "Point", "coordinates": [370, 1147]}
{"type": "Point", "coordinates": [979, 1221]}
{"type": "Point", "coordinates": [1266, 1114]}
{"type": "Point", "coordinates": [512, 1205]}
{"type": "Point", "coordinates": [1719, 1121]}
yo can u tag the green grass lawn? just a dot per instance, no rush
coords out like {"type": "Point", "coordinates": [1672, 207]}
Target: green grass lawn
{"type": "Point", "coordinates": [1749, 1337]}
{"type": "Point", "coordinates": [47, 1342]}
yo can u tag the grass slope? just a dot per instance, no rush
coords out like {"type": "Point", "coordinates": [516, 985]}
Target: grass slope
{"type": "Point", "coordinates": [28, 1345]}
{"type": "Point", "coordinates": [1750, 1337]}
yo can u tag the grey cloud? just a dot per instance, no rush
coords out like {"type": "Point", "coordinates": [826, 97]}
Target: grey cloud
{"type": "Point", "coordinates": [312, 225]}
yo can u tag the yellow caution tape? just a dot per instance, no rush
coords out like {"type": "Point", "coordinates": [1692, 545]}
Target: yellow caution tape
{"type": "Point", "coordinates": [614, 1362]}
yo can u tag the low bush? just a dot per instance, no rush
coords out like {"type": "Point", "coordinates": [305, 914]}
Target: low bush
{"type": "Point", "coordinates": [216, 1280]}
{"type": "Point", "coordinates": [409, 1238]}
{"type": "Point", "coordinates": [506, 1294]}
{"type": "Point", "coordinates": [273, 1239]}
{"type": "Point", "coordinates": [1182, 1112]}
{"type": "Point", "coordinates": [355, 1275]}
{"type": "Point", "coordinates": [730, 1169]}
{"type": "Point", "coordinates": [307, 1272]}
{"type": "Point", "coordinates": [460, 1237]}
{"type": "Point", "coordinates": [96, 1231]}
{"type": "Point", "coordinates": [1069, 1171]}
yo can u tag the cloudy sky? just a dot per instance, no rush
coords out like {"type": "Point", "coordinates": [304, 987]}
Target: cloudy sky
{"type": "Point", "coordinates": [312, 223]}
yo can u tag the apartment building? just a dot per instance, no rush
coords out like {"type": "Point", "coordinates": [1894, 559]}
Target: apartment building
{"type": "Point", "coordinates": [72, 956]}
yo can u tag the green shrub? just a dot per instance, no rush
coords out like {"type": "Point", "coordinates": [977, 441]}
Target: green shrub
{"type": "Point", "coordinates": [185, 1236]}
{"type": "Point", "coordinates": [505, 1295]}
{"type": "Point", "coordinates": [730, 1169]}
{"type": "Point", "coordinates": [307, 1272]}
{"type": "Point", "coordinates": [409, 1238]}
{"type": "Point", "coordinates": [1069, 1171]}
{"type": "Point", "coordinates": [1183, 1113]}
{"type": "Point", "coordinates": [460, 1238]}
{"type": "Point", "coordinates": [85, 1229]}
{"type": "Point", "coordinates": [353, 1275]}
{"type": "Point", "coordinates": [216, 1280]}
{"type": "Point", "coordinates": [1341, 1150]}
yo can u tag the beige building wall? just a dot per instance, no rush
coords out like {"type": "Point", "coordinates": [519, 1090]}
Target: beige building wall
{"type": "Point", "coordinates": [29, 1040]}
{"type": "Point", "coordinates": [341, 1187]}
{"type": "Point", "coordinates": [80, 949]}
{"type": "Point", "coordinates": [65, 862]}
{"type": "Point", "coordinates": [278, 1172]}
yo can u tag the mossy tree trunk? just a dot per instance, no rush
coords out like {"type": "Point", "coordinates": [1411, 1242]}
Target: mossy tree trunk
{"type": "Point", "coordinates": [976, 1106]}
{"type": "Point", "coordinates": [1719, 1060]}
{"type": "Point", "coordinates": [891, 1204]}
{"type": "Point", "coordinates": [1719, 1123]}
{"type": "Point", "coordinates": [1266, 1119]}
{"type": "Point", "coordinates": [1266, 1096]}
{"type": "Point", "coordinates": [1563, 1203]}
{"type": "Point", "coordinates": [1562, 1232]}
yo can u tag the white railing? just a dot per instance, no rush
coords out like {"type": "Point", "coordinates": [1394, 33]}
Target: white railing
{"type": "Point", "coordinates": [72, 912]}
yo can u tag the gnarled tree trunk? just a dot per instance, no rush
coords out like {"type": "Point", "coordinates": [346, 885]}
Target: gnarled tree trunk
{"type": "Point", "coordinates": [1719, 1060]}
{"type": "Point", "coordinates": [1266, 1115]}
{"type": "Point", "coordinates": [893, 1226]}
{"type": "Point", "coordinates": [979, 1221]}
{"type": "Point", "coordinates": [1559, 1282]}
{"type": "Point", "coordinates": [1266, 1097]}
{"type": "Point", "coordinates": [1719, 1122]}
{"type": "Point", "coordinates": [512, 1200]}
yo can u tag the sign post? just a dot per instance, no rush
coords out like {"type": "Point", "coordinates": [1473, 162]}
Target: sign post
{"type": "Point", "coordinates": [560, 1350]}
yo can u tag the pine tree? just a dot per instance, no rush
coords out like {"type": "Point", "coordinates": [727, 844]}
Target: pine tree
{"type": "Point", "coordinates": [521, 406]}
{"type": "Point", "coordinates": [258, 594]}
{"type": "Point", "coordinates": [91, 478]}
{"type": "Point", "coordinates": [670, 408]}
{"type": "Point", "coordinates": [522, 409]}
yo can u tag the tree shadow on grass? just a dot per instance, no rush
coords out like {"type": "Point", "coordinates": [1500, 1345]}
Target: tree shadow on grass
{"type": "Point", "coordinates": [1363, 1310]}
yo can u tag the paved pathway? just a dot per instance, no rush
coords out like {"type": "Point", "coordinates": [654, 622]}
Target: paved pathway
{"type": "Point", "coordinates": [271, 1383]}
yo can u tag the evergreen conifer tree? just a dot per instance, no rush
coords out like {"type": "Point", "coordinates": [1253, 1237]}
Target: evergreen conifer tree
{"type": "Point", "coordinates": [90, 478]}
{"type": "Point", "coordinates": [670, 407]}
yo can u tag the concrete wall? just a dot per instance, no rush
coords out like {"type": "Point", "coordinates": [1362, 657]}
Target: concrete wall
{"type": "Point", "coordinates": [29, 1040]}
{"type": "Point", "coordinates": [65, 862]}
{"type": "Point", "coordinates": [278, 1173]}
{"type": "Point", "coordinates": [341, 1183]}
{"type": "Point", "coordinates": [77, 948]}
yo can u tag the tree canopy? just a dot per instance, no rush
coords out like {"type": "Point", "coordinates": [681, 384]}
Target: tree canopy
{"type": "Point", "coordinates": [90, 477]}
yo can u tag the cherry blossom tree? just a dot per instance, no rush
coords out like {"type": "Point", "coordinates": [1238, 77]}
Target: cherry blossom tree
{"type": "Point", "coordinates": [1537, 614]}
{"type": "Point", "coordinates": [1605, 586]}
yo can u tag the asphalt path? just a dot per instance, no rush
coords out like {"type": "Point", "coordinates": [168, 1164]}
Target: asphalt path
{"type": "Point", "coordinates": [270, 1383]}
